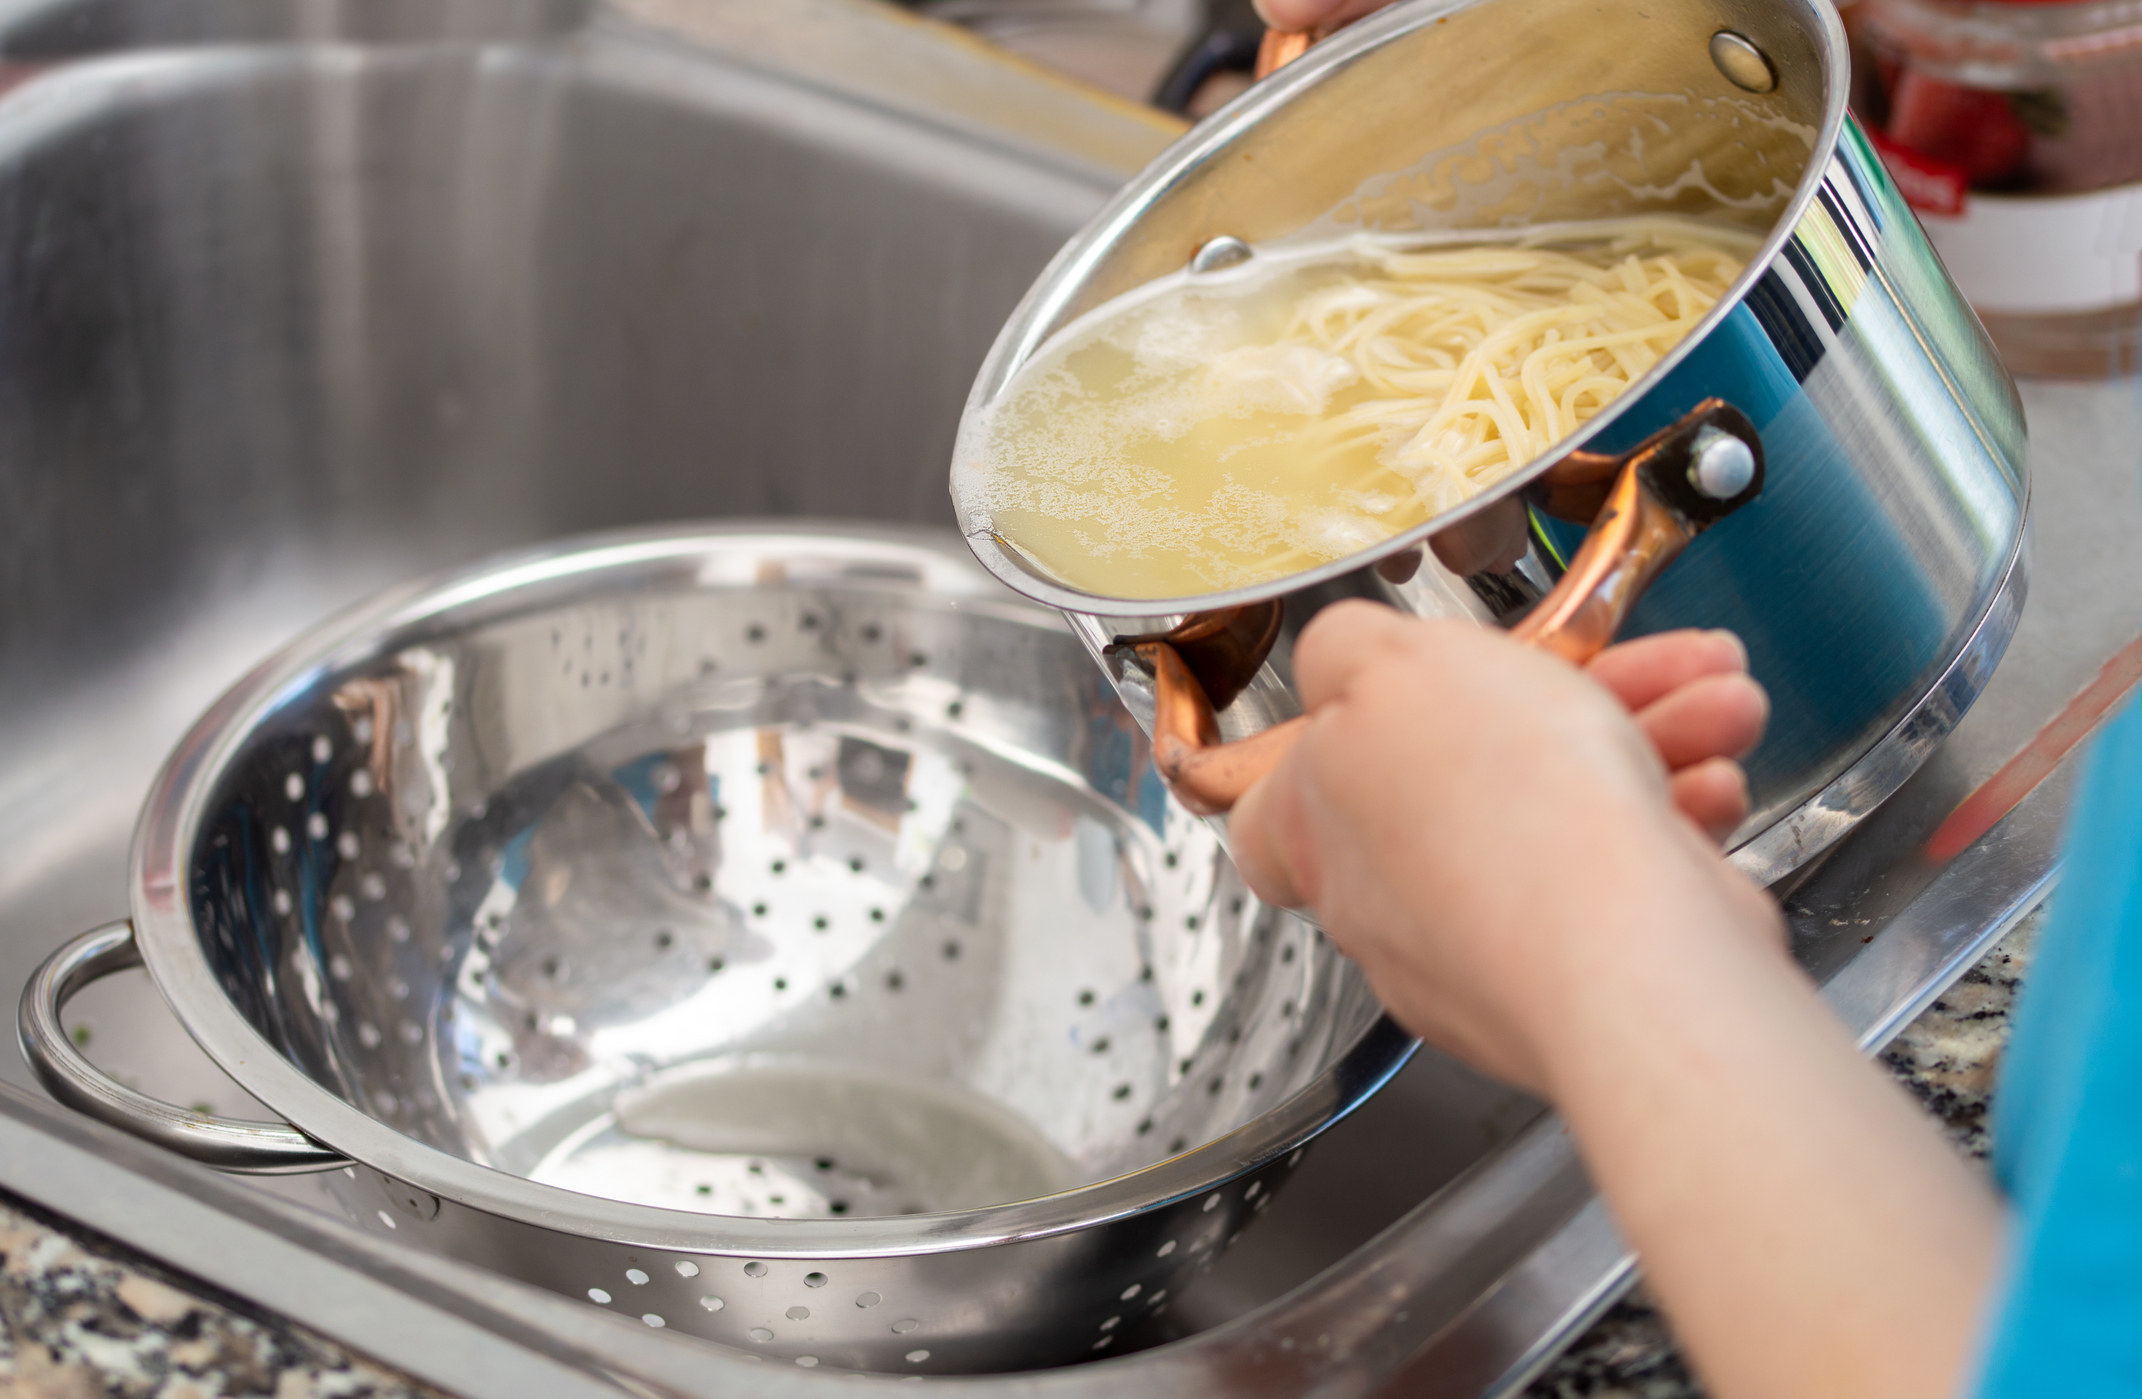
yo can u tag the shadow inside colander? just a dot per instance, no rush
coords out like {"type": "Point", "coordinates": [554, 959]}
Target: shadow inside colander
{"type": "Point", "coordinates": [774, 901]}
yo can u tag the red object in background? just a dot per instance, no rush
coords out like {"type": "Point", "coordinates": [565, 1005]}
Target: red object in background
{"type": "Point", "coordinates": [1973, 130]}
{"type": "Point", "coordinates": [1927, 185]}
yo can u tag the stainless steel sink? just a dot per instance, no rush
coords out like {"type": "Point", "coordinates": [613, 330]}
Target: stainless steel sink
{"type": "Point", "coordinates": [298, 300]}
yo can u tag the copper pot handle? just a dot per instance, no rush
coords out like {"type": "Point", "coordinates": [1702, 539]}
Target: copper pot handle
{"type": "Point", "coordinates": [1669, 489]}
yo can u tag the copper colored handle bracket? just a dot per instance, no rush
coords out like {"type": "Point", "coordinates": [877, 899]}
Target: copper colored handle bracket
{"type": "Point", "coordinates": [1670, 488]}
{"type": "Point", "coordinates": [1278, 48]}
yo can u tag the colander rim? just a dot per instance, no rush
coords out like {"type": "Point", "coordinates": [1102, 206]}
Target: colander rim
{"type": "Point", "coordinates": [936, 560]}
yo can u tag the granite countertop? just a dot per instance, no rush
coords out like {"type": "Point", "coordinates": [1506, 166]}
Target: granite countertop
{"type": "Point", "coordinates": [83, 1318]}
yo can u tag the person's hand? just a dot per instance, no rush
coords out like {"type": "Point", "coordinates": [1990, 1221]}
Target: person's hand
{"type": "Point", "coordinates": [1504, 845]}
{"type": "Point", "coordinates": [1691, 694]}
{"type": "Point", "coordinates": [1476, 823]}
{"type": "Point", "coordinates": [1318, 16]}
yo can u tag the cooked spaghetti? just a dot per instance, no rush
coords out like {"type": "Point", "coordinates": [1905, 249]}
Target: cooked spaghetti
{"type": "Point", "coordinates": [1212, 431]}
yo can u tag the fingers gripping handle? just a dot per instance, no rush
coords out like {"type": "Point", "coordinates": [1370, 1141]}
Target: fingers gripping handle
{"type": "Point", "coordinates": [228, 1144]}
{"type": "Point", "coordinates": [1669, 489]}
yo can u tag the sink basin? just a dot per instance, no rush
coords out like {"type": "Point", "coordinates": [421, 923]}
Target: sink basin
{"type": "Point", "coordinates": [298, 300]}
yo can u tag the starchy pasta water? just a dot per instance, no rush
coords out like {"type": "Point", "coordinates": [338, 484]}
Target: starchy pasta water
{"type": "Point", "coordinates": [1212, 431]}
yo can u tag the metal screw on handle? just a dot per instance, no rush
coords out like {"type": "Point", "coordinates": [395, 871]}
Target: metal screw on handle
{"type": "Point", "coordinates": [1721, 465]}
{"type": "Point", "coordinates": [228, 1144]}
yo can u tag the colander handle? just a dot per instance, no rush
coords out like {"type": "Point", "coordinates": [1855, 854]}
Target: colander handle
{"type": "Point", "coordinates": [228, 1144]}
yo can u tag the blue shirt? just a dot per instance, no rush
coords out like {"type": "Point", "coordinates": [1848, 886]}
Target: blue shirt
{"type": "Point", "coordinates": [2067, 1118]}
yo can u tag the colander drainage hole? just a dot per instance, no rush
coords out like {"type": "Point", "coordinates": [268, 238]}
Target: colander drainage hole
{"type": "Point", "coordinates": [837, 1207]}
{"type": "Point", "coordinates": [894, 981]}
{"type": "Point", "coordinates": [779, 866]}
{"type": "Point", "coordinates": [1175, 1148]}
{"type": "Point", "coordinates": [916, 1357]}
{"type": "Point", "coordinates": [652, 1320]}
{"type": "Point", "coordinates": [821, 922]}
{"type": "Point", "coordinates": [760, 1334]}
{"type": "Point", "coordinates": [877, 915]}
{"type": "Point", "coordinates": [780, 983]}
{"type": "Point", "coordinates": [1123, 1091]}
{"type": "Point", "coordinates": [1100, 1046]}
{"type": "Point", "coordinates": [798, 1313]}
{"type": "Point", "coordinates": [715, 964]}
{"type": "Point", "coordinates": [758, 910]}
{"type": "Point", "coordinates": [951, 951]}
{"type": "Point", "coordinates": [664, 939]}
{"type": "Point", "coordinates": [754, 1270]}
{"type": "Point", "coordinates": [596, 1294]}
{"type": "Point", "coordinates": [823, 1163]}
{"type": "Point", "coordinates": [904, 1325]}
{"type": "Point", "coordinates": [635, 1277]}
{"type": "Point", "coordinates": [814, 1279]}
{"type": "Point", "coordinates": [1085, 998]}
{"type": "Point", "coordinates": [855, 865]}
{"type": "Point", "coordinates": [754, 633]}
{"type": "Point", "coordinates": [1160, 1023]}
{"type": "Point", "coordinates": [1145, 1125]}
{"type": "Point", "coordinates": [704, 1189]}
{"type": "Point", "coordinates": [686, 1268]}
{"type": "Point", "coordinates": [712, 1304]}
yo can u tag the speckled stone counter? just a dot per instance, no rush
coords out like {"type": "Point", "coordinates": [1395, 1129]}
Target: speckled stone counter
{"type": "Point", "coordinates": [83, 1319]}
{"type": "Point", "coordinates": [1946, 1058]}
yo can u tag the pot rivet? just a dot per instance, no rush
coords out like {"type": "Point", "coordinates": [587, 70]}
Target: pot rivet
{"type": "Point", "coordinates": [1218, 253]}
{"type": "Point", "coordinates": [1720, 466]}
{"type": "Point", "coordinates": [1745, 66]}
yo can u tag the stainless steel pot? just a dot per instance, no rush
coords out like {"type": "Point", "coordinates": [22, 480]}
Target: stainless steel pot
{"type": "Point", "coordinates": [1877, 576]}
{"type": "Point", "coordinates": [778, 936]}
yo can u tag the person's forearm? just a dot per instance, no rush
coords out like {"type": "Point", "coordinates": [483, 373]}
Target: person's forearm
{"type": "Point", "coordinates": [1808, 1232]}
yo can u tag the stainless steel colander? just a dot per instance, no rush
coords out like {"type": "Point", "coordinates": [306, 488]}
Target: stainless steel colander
{"type": "Point", "coordinates": [781, 937]}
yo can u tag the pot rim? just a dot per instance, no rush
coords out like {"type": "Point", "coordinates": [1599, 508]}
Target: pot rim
{"type": "Point", "coordinates": [1034, 321]}
{"type": "Point", "coordinates": [170, 943]}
